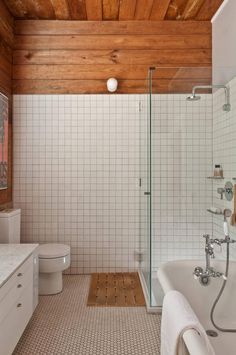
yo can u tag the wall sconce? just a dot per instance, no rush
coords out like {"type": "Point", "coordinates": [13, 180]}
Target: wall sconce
{"type": "Point", "coordinates": [112, 84]}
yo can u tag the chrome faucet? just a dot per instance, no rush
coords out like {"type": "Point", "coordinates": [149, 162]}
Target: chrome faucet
{"type": "Point", "coordinates": [205, 275]}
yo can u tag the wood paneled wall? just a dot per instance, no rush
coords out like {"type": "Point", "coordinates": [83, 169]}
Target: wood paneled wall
{"type": "Point", "coordinates": [79, 56]}
{"type": "Point", "coordinates": [6, 46]}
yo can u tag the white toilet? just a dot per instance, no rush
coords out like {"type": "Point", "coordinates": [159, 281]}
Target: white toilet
{"type": "Point", "coordinates": [53, 259]}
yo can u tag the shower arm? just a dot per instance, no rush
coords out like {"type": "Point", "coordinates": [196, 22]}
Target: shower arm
{"type": "Point", "coordinates": [226, 89]}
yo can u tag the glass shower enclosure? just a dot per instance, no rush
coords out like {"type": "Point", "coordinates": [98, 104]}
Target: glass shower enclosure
{"type": "Point", "coordinates": [175, 158]}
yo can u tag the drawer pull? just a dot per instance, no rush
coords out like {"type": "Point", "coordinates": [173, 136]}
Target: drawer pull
{"type": "Point", "coordinates": [19, 305]}
{"type": "Point", "coordinates": [20, 274]}
{"type": "Point", "coordinates": [19, 286]}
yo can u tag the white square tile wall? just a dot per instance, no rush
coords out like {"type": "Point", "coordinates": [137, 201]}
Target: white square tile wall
{"type": "Point", "coordinates": [224, 153]}
{"type": "Point", "coordinates": [76, 176]}
{"type": "Point", "coordinates": [76, 173]}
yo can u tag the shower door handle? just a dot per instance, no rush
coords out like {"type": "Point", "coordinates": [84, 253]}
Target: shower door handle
{"type": "Point", "coordinates": [147, 193]}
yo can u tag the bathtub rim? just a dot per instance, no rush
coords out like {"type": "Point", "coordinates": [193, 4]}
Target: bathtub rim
{"type": "Point", "coordinates": [193, 341]}
{"type": "Point", "coordinates": [163, 277]}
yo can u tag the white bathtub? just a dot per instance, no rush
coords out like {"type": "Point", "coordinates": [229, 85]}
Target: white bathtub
{"type": "Point", "coordinates": [178, 275]}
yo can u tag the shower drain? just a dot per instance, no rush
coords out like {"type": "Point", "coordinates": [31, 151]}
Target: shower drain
{"type": "Point", "coordinates": [211, 333]}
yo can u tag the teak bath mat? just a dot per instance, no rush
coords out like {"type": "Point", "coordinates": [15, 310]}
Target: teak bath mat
{"type": "Point", "coordinates": [115, 289]}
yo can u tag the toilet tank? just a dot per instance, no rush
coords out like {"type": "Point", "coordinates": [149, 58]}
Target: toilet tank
{"type": "Point", "coordinates": [10, 226]}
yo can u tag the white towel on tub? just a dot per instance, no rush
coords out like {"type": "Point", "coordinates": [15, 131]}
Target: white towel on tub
{"type": "Point", "coordinates": [177, 317]}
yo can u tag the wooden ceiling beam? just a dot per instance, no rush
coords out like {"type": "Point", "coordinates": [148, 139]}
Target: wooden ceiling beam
{"type": "Point", "coordinates": [17, 8]}
{"type": "Point", "coordinates": [159, 9]}
{"type": "Point", "coordinates": [61, 9]}
{"type": "Point", "coordinates": [143, 9]}
{"type": "Point", "coordinates": [191, 9]}
{"type": "Point", "coordinates": [110, 9]}
{"type": "Point", "coordinates": [41, 9]}
{"type": "Point", "coordinates": [208, 10]}
{"type": "Point", "coordinates": [77, 9]}
{"type": "Point", "coordinates": [127, 9]}
{"type": "Point", "coordinates": [94, 10]}
{"type": "Point", "coordinates": [175, 9]}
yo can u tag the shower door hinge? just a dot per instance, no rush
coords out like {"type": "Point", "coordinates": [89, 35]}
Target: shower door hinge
{"type": "Point", "coordinates": [138, 256]}
{"type": "Point", "coordinates": [140, 182]}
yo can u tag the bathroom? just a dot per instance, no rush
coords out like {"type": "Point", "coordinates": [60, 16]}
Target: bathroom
{"type": "Point", "coordinates": [118, 177]}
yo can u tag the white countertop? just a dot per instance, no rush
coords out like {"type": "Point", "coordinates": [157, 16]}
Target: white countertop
{"type": "Point", "coordinates": [11, 257]}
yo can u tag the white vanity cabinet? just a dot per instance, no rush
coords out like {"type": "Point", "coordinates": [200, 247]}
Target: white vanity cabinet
{"type": "Point", "coordinates": [18, 299]}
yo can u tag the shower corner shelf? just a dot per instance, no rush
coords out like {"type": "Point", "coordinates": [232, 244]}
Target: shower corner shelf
{"type": "Point", "coordinates": [215, 177]}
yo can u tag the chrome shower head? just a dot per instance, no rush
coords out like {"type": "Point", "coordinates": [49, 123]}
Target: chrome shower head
{"type": "Point", "coordinates": [193, 97]}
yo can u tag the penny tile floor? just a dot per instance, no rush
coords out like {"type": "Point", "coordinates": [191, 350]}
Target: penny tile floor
{"type": "Point", "coordinates": [64, 325]}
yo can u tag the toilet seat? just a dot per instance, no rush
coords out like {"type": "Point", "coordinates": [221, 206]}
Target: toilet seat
{"type": "Point", "coordinates": [53, 251]}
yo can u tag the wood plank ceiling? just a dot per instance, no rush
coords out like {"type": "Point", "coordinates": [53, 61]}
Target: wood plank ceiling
{"type": "Point", "coordinates": [112, 10]}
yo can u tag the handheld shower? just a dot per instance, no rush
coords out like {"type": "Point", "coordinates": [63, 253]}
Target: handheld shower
{"type": "Point", "coordinates": [227, 213]}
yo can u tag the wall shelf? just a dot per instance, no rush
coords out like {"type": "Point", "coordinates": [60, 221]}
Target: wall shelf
{"type": "Point", "coordinates": [215, 177]}
{"type": "Point", "coordinates": [219, 213]}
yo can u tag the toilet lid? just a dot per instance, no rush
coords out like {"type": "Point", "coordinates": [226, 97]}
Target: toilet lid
{"type": "Point", "coordinates": [48, 251]}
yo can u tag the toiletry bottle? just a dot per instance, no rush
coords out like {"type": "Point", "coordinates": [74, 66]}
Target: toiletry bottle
{"type": "Point", "coordinates": [218, 171]}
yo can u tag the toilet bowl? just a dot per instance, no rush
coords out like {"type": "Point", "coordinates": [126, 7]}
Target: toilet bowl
{"type": "Point", "coordinates": [53, 259]}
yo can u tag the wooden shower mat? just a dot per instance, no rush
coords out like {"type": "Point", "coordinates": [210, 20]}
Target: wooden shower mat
{"type": "Point", "coordinates": [115, 289]}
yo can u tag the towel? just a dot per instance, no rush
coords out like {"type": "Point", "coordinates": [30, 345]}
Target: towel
{"type": "Point", "coordinates": [177, 317]}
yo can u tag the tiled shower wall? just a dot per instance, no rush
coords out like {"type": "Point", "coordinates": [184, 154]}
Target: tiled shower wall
{"type": "Point", "coordinates": [76, 175]}
{"type": "Point", "coordinates": [182, 159]}
{"type": "Point", "coordinates": [224, 153]}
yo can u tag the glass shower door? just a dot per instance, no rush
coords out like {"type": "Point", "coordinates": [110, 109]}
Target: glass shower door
{"type": "Point", "coordinates": [175, 159]}
{"type": "Point", "coordinates": [145, 191]}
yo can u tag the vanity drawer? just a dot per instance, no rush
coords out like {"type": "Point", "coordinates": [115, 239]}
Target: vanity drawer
{"type": "Point", "coordinates": [12, 327]}
{"type": "Point", "coordinates": [14, 287]}
{"type": "Point", "coordinates": [20, 276]}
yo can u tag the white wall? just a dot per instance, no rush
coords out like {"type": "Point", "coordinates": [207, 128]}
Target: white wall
{"type": "Point", "coordinates": [224, 43]}
{"type": "Point", "coordinates": [76, 176]}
